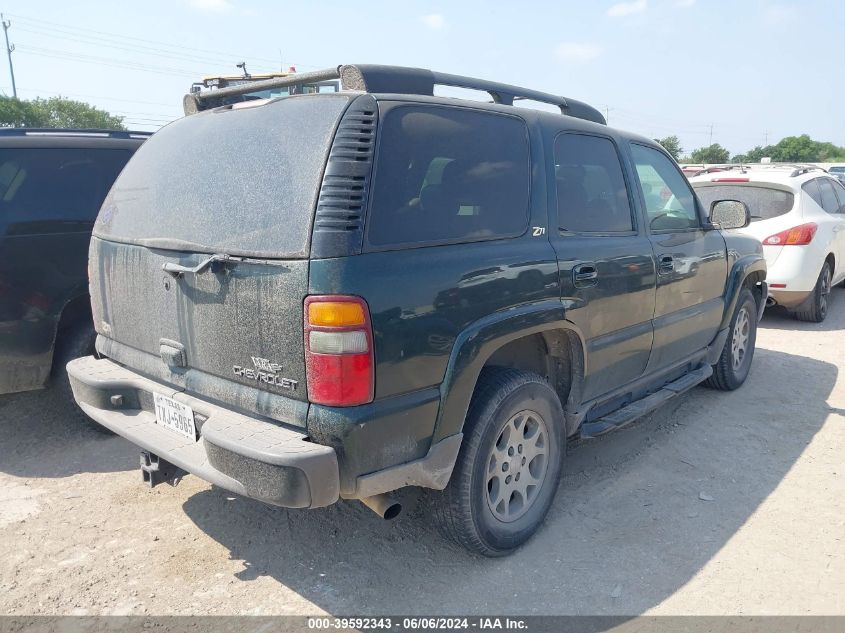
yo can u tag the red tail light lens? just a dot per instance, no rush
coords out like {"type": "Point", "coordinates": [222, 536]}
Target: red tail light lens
{"type": "Point", "coordinates": [796, 236]}
{"type": "Point", "coordinates": [339, 362]}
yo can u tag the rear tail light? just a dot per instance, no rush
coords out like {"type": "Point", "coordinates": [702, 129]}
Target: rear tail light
{"type": "Point", "coordinates": [796, 236]}
{"type": "Point", "coordinates": [338, 351]}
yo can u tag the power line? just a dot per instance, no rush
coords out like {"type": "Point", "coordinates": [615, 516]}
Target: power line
{"type": "Point", "coordinates": [79, 31]}
{"type": "Point", "coordinates": [101, 97]}
{"type": "Point", "coordinates": [106, 61]}
{"type": "Point", "coordinates": [132, 48]}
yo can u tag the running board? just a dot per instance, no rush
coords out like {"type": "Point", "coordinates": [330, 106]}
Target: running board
{"type": "Point", "coordinates": [630, 412]}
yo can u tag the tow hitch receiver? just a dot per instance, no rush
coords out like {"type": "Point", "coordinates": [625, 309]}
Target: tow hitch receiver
{"type": "Point", "coordinates": [155, 470]}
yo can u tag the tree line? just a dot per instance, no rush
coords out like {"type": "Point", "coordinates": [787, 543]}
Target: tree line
{"type": "Point", "coordinates": [792, 149]}
{"type": "Point", "coordinates": [61, 112]}
{"type": "Point", "coordinates": [55, 112]}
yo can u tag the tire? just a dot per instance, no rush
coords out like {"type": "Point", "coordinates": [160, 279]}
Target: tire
{"type": "Point", "coordinates": [72, 343]}
{"type": "Point", "coordinates": [484, 508]}
{"type": "Point", "coordinates": [815, 310]}
{"type": "Point", "coordinates": [734, 363]}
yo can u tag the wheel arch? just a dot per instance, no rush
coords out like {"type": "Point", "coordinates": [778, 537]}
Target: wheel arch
{"type": "Point", "coordinates": [746, 272]}
{"type": "Point", "coordinates": [75, 312]}
{"type": "Point", "coordinates": [536, 337]}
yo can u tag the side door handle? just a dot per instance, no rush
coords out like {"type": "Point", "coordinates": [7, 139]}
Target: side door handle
{"type": "Point", "coordinates": [585, 275]}
{"type": "Point", "coordinates": [665, 265]}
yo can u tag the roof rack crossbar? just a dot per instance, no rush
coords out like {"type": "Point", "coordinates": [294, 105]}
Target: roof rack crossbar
{"type": "Point", "coordinates": [396, 80]}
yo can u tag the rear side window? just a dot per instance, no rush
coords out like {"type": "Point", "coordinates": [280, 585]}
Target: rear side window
{"type": "Point", "coordinates": [449, 174]}
{"type": "Point", "coordinates": [591, 193]}
{"type": "Point", "coordinates": [40, 187]}
{"type": "Point", "coordinates": [764, 203]}
{"type": "Point", "coordinates": [840, 193]}
{"type": "Point", "coordinates": [829, 201]}
{"type": "Point", "coordinates": [811, 188]}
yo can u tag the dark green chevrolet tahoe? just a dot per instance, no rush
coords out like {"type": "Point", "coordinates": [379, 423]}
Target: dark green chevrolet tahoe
{"type": "Point", "coordinates": [330, 296]}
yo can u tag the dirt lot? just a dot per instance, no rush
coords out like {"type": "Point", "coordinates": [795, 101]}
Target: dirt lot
{"type": "Point", "coordinates": [718, 504]}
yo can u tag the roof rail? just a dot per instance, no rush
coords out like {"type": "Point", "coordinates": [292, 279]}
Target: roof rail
{"type": "Point", "coordinates": [398, 80]}
{"type": "Point", "coordinates": [58, 131]}
{"type": "Point", "coordinates": [803, 169]}
{"type": "Point", "coordinates": [717, 168]}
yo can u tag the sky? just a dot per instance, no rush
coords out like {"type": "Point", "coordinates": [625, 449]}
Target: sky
{"type": "Point", "coordinates": [741, 73]}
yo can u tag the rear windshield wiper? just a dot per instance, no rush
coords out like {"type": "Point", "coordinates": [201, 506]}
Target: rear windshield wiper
{"type": "Point", "coordinates": [177, 269]}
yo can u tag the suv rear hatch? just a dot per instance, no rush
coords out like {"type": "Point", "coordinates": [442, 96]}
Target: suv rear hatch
{"type": "Point", "coordinates": [231, 192]}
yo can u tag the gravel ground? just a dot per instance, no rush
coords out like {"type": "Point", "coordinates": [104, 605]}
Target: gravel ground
{"type": "Point", "coordinates": [716, 504]}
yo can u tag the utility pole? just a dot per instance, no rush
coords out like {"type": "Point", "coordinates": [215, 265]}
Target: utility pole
{"type": "Point", "coordinates": [766, 139]}
{"type": "Point", "coordinates": [711, 134]}
{"type": "Point", "coordinates": [9, 48]}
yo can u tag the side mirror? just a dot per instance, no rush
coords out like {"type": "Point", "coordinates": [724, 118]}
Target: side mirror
{"type": "Point", "coordinates": [730, 214]}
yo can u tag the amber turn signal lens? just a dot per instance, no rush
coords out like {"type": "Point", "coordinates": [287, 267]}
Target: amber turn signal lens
{"type": "Point", "coordinates": [335, 313]}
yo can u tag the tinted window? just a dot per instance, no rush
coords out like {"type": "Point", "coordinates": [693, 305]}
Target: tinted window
{"type": "Point", "coordinates": [242, 182]}
{"type": "Point", "coordinates": [840, 193]}
{"type": "Point", "coordinates": [811, 188]}
{"type": "Point", "coordinates": [446, 174]}
{"type": "Point", "coordinates": [591, 193]}
{"type": "Point", "coordinates": [763, 202]}
{"type": "Point", "coordinates": [39, 187]}
{"type": "Point", "coordinates": [669, 201]}
{"type": "Point", "coordinates": [829, 201]}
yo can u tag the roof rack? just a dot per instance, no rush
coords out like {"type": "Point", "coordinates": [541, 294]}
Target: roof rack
{"type": "Point", "coordinates": [50, 131]}
{"type": "Point", "coordinates": [803, 169]}
{"type": "Point", "coordinates": [394, 79]}
{"type": "Point", "coordinates": [717, 168]}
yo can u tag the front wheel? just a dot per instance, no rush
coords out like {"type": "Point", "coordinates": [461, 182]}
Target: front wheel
{"type": "Point", "coordinates": [509, 465]}
{"type": "Point", "coordinates": [732, 368]}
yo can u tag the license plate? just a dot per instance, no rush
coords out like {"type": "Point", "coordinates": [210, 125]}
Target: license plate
{"type": "Point", "coordinates": [175, 416]}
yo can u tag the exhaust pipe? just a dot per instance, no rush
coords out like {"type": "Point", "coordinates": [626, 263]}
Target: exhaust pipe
{"type": "Point", "coordinates": [770, 302]}
{"type": "Point", "coordinates": [383, 505]}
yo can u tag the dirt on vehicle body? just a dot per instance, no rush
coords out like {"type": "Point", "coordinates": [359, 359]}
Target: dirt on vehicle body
{"type": "Point", "coordinates": [346, 294]}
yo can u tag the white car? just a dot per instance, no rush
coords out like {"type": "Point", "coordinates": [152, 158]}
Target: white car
{"type": "Point", "coordinates": [798, 213]}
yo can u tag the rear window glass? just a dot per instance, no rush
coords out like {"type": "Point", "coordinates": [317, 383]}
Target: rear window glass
{"type": "Point", "coordinates": [39, 187]}
{"type": "Point", "coordinates": [764, 203]}
{"type": "Point", "coordinates": [242, 182]}
{"type": "Point", "coordinates": [449, 174]}
{"type": "Point", "coordinates": [591, 193]}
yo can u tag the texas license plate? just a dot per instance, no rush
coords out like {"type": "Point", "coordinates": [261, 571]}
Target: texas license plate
{"type": "Point", "coordinates": [175, 416]}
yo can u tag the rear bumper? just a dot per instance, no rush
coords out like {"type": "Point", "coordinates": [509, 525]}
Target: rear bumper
{"type": "Point", "coordinates": [789, 299]}
{"type": "Point", "coordinates": [249, 456]}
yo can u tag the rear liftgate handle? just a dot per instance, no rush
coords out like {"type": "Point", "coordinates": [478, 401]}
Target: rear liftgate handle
{"type": "Point", "coordinates": [585, 275]}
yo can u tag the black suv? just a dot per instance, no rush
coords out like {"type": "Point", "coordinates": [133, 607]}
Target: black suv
{"type": "Point", "coordinates": [332, 296]}
{"type": "Point", "coordinates": [52, 184]}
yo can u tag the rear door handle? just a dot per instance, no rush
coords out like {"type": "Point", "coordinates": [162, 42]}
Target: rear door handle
{"type": "Point", "coordinates": [585, 275]}
{"type": "Point", "coordinates": [665, 265]}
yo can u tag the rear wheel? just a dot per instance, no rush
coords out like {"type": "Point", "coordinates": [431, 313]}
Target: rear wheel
{"type": "Point", "coordinates": [509, 465]}
{"type": "Point", "coordinates": [72, 343]}
{"type": "Point", "coordinates": [733, 365]}
{"type": "Point", "coordinates": [816, 308]}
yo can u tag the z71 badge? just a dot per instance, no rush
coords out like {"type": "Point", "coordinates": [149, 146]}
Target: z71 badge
{"type": "Point", "coordinates": [267, 372]}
